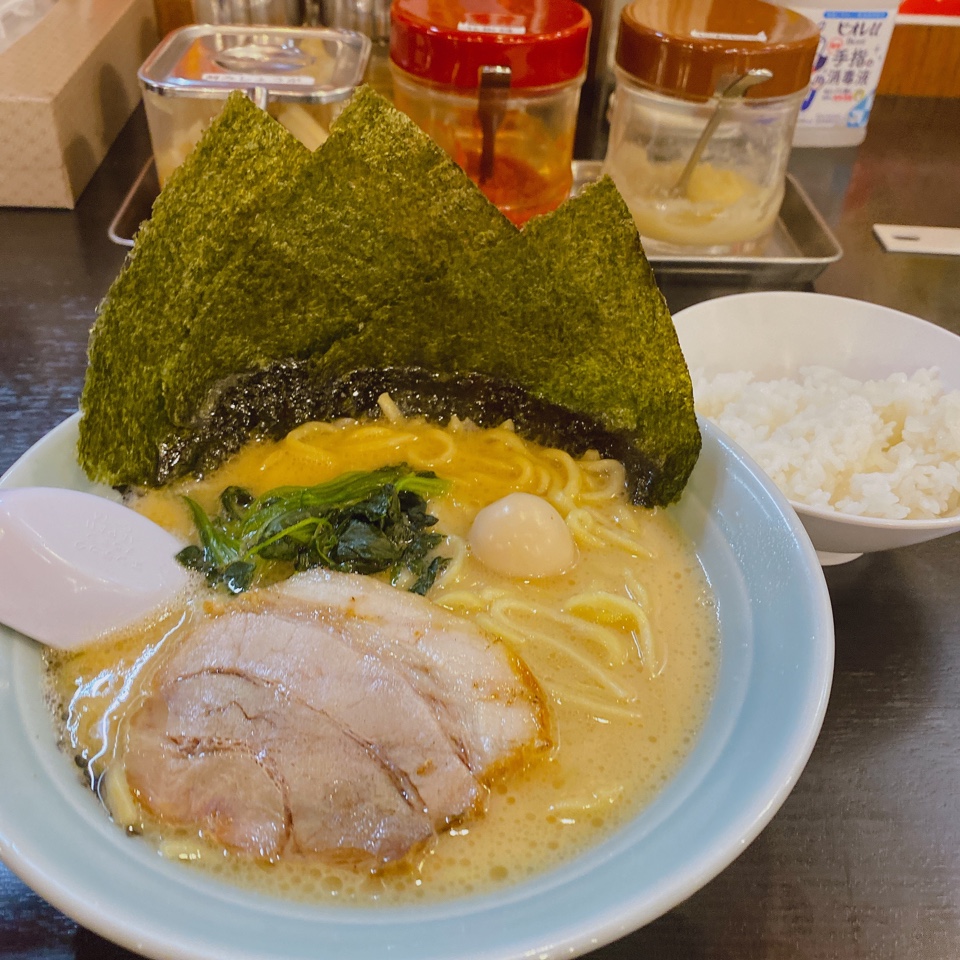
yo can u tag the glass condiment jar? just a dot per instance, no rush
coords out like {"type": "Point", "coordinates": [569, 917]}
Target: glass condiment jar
{"type": "Point", "coordinates": [673, 60]}
{"type": "Point", "coordinates": [303, 76]}
{"type": "Point", "coordinates": [497, 85]}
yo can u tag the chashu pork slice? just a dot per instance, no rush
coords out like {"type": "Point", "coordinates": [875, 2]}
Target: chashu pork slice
{"type": "Point", "coordinates": [263, 772]}
{"type": "Point", "coordinates": [331, 715]}
{"type": "Point", "coordinates": [479, 694]}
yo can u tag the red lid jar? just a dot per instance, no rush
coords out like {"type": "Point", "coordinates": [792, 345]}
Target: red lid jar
{"type": "Point", "coordinates": [497, 84]}
{"type": "Point", "coordinates": [544, 42]}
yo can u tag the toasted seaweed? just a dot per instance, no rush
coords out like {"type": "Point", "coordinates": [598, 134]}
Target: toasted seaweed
{"type": "Point", "coordinates": [569, 311]}
{"type": "Point", "coordinates": [245, 157]}
{"type": "Point", "coordinates": [375, 264]}
{"type": "Point", "coordinates": [377, 212]}
{"type": "Point", "coordinates": [268, 403]}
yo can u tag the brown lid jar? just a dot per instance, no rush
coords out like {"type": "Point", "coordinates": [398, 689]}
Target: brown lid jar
{"type": "Point", "coordinates": [683, 48]}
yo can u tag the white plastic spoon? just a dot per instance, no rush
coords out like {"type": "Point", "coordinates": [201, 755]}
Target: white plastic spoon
{"type": "Point", "coordinates": [74, 566]}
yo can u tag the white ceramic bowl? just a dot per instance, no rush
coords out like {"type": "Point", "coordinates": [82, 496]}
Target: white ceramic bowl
{"type": "Point", "coordinates": [774, 333]}
{"type": "Point", "coordinates": [774, 678]}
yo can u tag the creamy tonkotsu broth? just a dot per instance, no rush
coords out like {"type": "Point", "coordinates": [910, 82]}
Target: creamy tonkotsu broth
{"type": "Point", "coordinates": [624, 644]}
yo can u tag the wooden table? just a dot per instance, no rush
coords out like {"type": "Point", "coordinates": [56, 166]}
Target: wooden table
{"type": "Point", "coordinates": [863, 860]}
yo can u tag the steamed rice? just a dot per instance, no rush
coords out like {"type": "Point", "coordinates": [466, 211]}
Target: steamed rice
{"type": "Point", "coordinates": [880, 448]}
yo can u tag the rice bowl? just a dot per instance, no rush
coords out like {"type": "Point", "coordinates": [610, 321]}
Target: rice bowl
{"type": "Point", "coordinates": [854, 359]}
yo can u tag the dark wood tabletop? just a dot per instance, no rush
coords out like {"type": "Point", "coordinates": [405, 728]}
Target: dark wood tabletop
{"type": "Point", "coordinates": [862, 862]}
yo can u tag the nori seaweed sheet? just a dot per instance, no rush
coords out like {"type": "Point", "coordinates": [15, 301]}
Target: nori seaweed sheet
{"type": "Point", "coordinates": [244, 157]}
{"type": "Point", "coordinates": [377, 254]}
{"type": "Point", "coordinates": [568, 310]}
{"type": "Point", "coordinates": [531, 329]}
{"type": "Point", "coordinates": [270, 402]}
{"type": "Point", "coordinates": [378, 211]}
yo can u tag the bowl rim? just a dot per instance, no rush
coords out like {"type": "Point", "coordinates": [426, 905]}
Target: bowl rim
{"type": "Point", "coordinates": [945, 523]}
{"type": "Point", "coordinates": [837, 298]}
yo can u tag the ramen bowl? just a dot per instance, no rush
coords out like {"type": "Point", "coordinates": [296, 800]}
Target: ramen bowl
{"type": "Point", "coordinates": [773, 334]}
{"type": "Point", "coordinates": [774, 673]}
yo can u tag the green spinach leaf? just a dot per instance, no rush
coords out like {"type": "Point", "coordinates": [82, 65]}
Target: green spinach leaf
{"type": "Point", "coordinates": [361, 522]}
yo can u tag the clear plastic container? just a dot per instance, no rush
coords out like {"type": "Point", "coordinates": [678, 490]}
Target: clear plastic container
{"type": "Point", "coordinates": [499, 92]}
{"type": "Point", "coordinates": [303, 76]}
{"type": "Point", "coordinates": [672, 64]}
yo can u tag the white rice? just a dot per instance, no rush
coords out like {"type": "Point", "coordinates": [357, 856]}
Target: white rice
{"type": "Point", "coordinates": [880, 448]}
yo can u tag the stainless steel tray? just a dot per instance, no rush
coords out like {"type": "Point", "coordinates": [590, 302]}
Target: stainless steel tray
{"type": "Point", "coordinates": [799, 249]}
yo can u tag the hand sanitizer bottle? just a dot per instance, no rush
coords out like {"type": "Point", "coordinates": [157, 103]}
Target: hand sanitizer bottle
{"type": "Point", "coordinates": [854, 37]}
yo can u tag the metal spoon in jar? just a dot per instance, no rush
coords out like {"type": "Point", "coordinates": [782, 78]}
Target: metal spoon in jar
{"type": "Point", "coordinates": [74, 566]}
{"type": "Point", "coordinates": [726, 92]}
{"type": "Point", "coordinates": [491, 109]}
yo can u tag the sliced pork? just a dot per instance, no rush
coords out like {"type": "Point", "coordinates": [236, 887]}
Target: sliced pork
{"type": "Point", "coordinates": [331, 715]}
{"type": "Point", "coordinates": [479, 694]}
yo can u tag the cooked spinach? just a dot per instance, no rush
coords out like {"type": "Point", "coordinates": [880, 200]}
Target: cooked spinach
{"type": "Point", "coordinates": [360, 522]}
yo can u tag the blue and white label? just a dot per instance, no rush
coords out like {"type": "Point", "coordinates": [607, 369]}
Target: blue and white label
{"type": "Point", "coordinates": [847, 67]}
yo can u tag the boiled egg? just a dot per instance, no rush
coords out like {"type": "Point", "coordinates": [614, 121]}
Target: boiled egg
{"type": "Point", "coordinates": [523, 536]}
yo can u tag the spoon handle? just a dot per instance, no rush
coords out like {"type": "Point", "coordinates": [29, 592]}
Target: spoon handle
{"type": "Point", "coordinates": [494, 89]}
{"type": "Point", "coordinates": [729, 92]}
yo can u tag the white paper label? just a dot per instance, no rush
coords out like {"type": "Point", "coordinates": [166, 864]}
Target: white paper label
{"type": "Point", "coordinates": [847, 67]}
{"type": "Point", "coordinates": [760, 37]}
{"type": "Point", "coordinates": [260, 79]}
{"type": "Point", "coordinates": [493, 23]}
